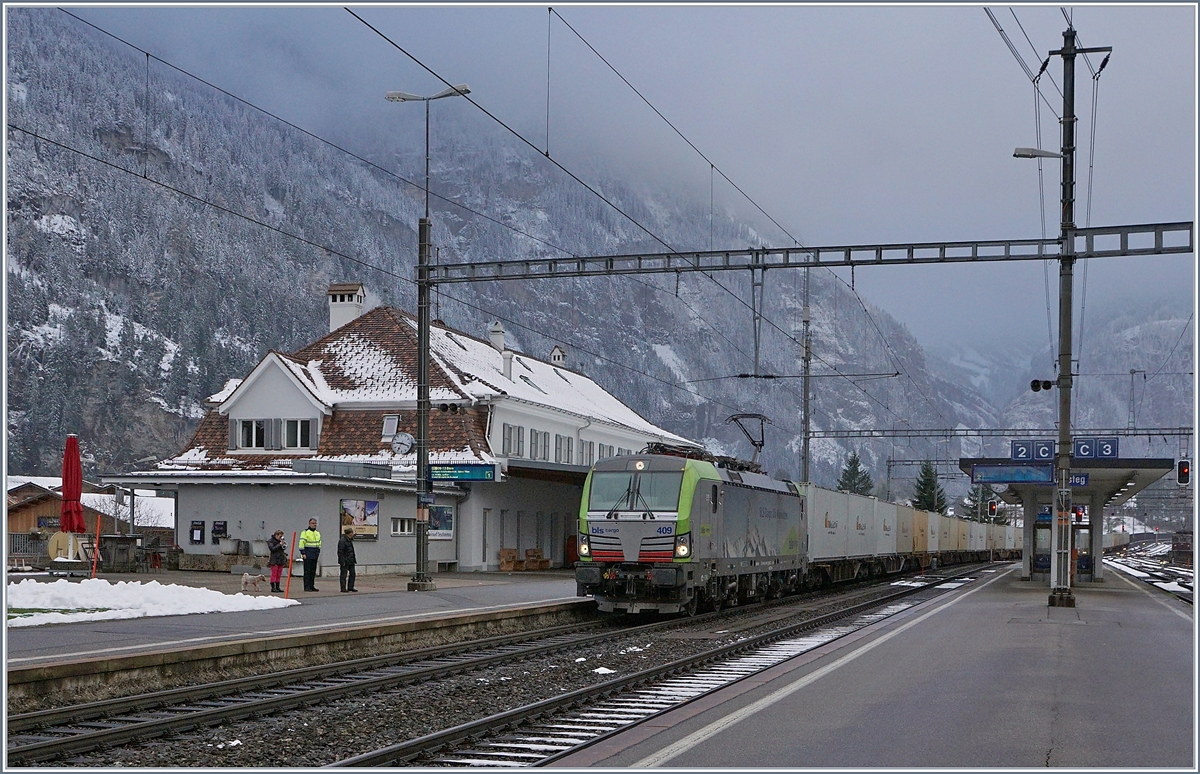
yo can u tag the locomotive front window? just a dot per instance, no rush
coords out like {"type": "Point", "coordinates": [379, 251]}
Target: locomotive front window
{"type": "Point", "coordinates": [659, 491]}
{"type": "Point", "coordinates": [635, 491]}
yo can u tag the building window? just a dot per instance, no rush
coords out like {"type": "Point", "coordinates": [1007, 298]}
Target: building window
{"type": "Point", "coordinates": [587, 453]}
{"type": "Point", "coordinates": [404, 526]}
{"type": "Point", "coordinates": [624, 452]}
{"type": "Point", "coordinates": [390, 423]}
{"type": "Point", "coordinates": [539, 444]}
{"type": "Point", "coordinates": [254, 433]}
{"type": "Point", "coordinates": [604, 451]}
{"type": "Point", "coordinates": [564, 448]}
{"type": "Point", "coordinates": [298, 434]}
{"type": "Point", "coordinates": [513, 441]}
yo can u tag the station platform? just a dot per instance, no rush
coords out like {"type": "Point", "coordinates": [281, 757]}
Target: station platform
{"type": "Point", "coordinates": [383, 600]}
{"type": "Point", "coordinates": [984, 676]}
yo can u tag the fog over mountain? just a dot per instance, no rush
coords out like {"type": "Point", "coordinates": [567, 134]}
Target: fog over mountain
{"type": "Point", "coordinates": [129, 302]}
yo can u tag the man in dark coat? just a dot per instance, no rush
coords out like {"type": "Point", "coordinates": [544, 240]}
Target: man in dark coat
{"type": "Point", "coordinates": [346, 558]}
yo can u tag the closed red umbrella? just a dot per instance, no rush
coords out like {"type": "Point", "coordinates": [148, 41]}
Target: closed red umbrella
{"type": "Point", "coordinates": [72, 487]}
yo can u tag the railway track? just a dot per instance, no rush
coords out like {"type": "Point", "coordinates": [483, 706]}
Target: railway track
{"type": "Point", "coordinates": [63, 732]}
{"type": "Point", "coordinates": [1179, 581]}
{"type": "Point", "coordinates": [545, 731]}
{"type": "Point", "coordinates": [68, 732]}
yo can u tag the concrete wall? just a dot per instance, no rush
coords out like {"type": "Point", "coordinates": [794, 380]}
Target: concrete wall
{"type": "Point", "coordinates": [517, 513]}
{"type": "Point", "coordinates": [254, 512]}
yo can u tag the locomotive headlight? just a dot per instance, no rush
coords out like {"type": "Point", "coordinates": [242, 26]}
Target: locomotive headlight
{"type": "Point", "coordinates": [584, 548]}
{"type": "Point", "coordinates": [683, 545]}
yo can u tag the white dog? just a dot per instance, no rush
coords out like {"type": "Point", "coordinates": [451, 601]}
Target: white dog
{"type": "Point", "coordinates": [251, 581]}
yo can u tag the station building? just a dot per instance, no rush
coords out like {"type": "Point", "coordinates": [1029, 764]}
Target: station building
{"type": "Point", "coordinates": [326, 432]}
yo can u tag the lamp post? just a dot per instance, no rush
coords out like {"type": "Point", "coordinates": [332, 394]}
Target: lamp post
{"type": "Point", "coordinates": [1060, 542]}
{"type": "Point", "coordinates": [420, 580]}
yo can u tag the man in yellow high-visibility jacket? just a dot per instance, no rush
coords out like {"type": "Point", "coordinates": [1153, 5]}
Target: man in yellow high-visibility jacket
{"type": "Point", "coordinates": [310, 549]}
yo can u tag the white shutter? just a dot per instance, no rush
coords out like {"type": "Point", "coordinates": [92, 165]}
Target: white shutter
{"type": "Point", "coordinates": [233, 433]}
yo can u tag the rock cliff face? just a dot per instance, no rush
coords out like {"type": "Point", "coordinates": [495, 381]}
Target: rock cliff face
{"type": "Point", "coordinates": [180, 235]}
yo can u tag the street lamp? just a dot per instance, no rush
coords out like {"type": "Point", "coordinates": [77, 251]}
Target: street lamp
{"type": "Point", "coordinates": [420, 580]}
{"type": "Point", "coordinates": [1035, 153]}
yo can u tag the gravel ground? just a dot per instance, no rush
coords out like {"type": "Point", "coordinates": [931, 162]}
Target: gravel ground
{"type": "Point", "coordinates": [324, 734]}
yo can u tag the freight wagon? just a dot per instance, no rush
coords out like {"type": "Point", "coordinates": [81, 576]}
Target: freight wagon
{"type": "Point", "coordinates": [676, 530]}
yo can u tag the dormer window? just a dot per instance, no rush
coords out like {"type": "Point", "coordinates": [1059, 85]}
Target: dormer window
{"type": "Point", "coordinates": [297, 434]}
{"type": "Point", "coordinates": [390, 423]}
{"type": "Point", "coordinates": [254, 434]}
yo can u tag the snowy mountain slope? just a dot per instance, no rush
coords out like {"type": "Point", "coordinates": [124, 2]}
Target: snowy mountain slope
{"type": "Point", "coordinates": [129, 303]}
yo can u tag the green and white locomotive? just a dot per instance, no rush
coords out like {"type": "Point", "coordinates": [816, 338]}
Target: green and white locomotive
{"type": "Point", "coordinates": [670, 533]}
{"type": "Point", "coordinates": [675, 529]}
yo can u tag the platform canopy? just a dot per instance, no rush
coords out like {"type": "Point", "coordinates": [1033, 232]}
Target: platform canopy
{"type": "Point", "coordinates": [1111, 481]}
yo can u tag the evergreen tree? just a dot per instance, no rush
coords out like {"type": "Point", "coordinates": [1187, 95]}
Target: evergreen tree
{"type": "Point", "coordinates": [855, 478]}
{"type": "Point", "coordinates": [928, 494]}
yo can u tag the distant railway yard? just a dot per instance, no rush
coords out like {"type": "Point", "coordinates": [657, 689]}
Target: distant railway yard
{"type": "Point", "coordinates": [1152, 564]}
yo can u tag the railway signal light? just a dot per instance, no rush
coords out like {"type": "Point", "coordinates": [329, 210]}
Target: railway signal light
{"type": "Point", "coordinates": [991, 509]}
{"type": "Point", "coordinates": [1040, 384]}
{"type": "Point", "coordinates": [1183, 472]}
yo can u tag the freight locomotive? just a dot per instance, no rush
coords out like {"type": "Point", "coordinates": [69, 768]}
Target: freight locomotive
{"type": "Point", "coordinates": [676, 530]}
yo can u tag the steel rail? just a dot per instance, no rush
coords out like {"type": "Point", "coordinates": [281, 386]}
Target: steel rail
{"type": "Point", "coordinates": [341, 673]}
{"type": "Point", "coordinates": [58, 720]}
{"type": "Point", "coordinates": [440, 741]}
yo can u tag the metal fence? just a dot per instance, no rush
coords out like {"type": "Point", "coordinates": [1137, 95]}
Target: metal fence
{"type": "Point", "coordinates": [25, 545]}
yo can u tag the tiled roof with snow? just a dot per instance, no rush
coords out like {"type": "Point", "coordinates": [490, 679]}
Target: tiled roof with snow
{"type": "Point", "coordinates": [373, 358]}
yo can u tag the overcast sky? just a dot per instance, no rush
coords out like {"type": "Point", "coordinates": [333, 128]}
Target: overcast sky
{"type": "Point", "coordinates": [849, 125]}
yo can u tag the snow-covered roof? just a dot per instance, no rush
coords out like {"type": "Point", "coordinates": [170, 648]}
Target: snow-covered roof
{"type": "Point", "coordinates": [47, 482]}
{"type": "Point", "coordinates": [372, 360]}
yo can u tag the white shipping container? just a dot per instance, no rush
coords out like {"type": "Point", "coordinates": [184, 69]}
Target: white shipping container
{"type": "Point", "coordinates": [946, 536]}
{"type": "Point", "coordinates": [1010, 537]}
{"type": "Point", "coordinates": [962, 542]}
{"type": "Point", "coordinates": [935, 532]}
{"type": "Point", "coordinates": [828, 518]}
{"type": "Point", "coordinates": [861, 534]}
{"type": "Point", "coordinates": [885, 528]}
{"type": "Point", "coordinates": [976, 536]}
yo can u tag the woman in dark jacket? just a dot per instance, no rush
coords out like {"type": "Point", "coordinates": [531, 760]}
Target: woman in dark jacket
{"type": "Point", "coordinates": [346, 559]}
{"type": "Point", "coordinates": [278, 558]}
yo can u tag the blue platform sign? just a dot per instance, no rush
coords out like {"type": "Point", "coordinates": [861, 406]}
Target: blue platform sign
{"type": "Point", "coordinates": [1106, 449]}
{"type": "Point", "coordinates": [1085, 449]}
{"type": "Point", "coordinates": [1022, 451]}
{"type": "Point", "coordinates": [1078, 479]}
{"type": "Point", "coordinates": [1043, 451]}
{"type": "Point", "coordinates": [1045, 513]}
{"type": "Point", "coordinates": [462, 472]}
{"type": "Point", "coordinates": [1012, 474]}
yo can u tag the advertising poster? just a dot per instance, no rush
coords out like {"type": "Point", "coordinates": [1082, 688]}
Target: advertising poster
{"type": "Point", "coordinates": [363, 515]}
{"type": "Point", "coordinates": [441, 522]}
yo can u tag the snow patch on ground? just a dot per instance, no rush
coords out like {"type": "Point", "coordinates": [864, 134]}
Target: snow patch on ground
{"type": "Point", "coordinates": [96, 599]}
